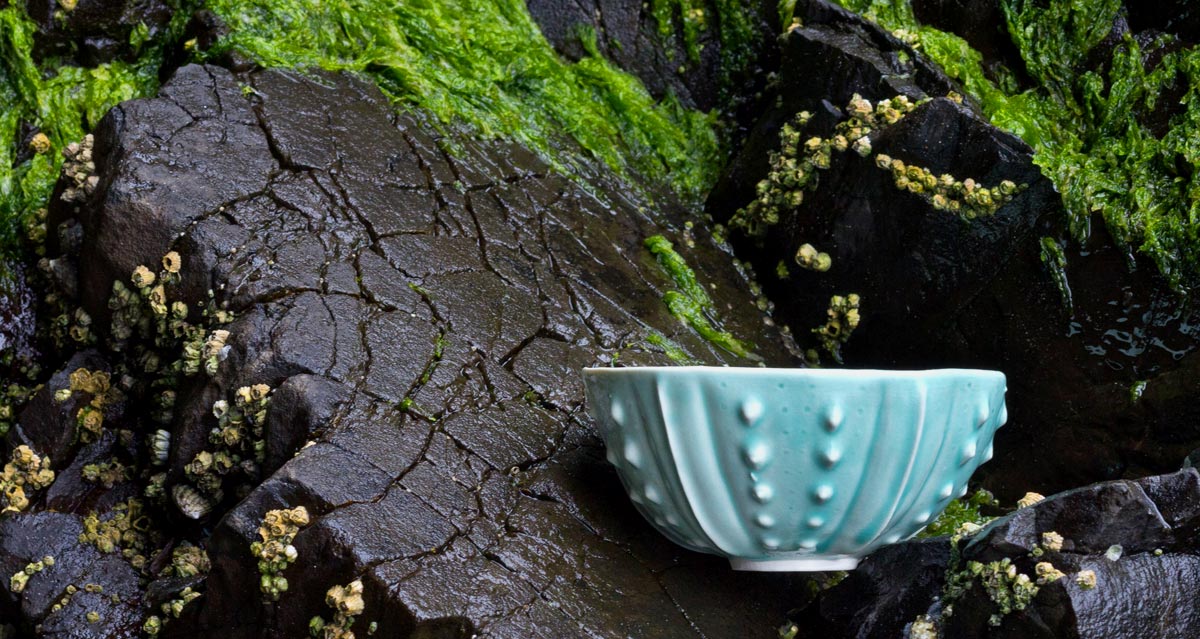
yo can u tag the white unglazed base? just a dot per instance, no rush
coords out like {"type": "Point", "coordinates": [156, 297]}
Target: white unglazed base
{"type": "Point", "coordinates": [810, 564]}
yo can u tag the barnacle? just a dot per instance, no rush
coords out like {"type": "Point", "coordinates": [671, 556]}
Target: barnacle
{"type": "Point", "coordinates": [171, 262]}
{"type": "Point", "coordinates": [1052, 541]}
{"type": "Point", "coordinates": [40, 143]}
{"type": "Point", "coordinates": [1029, 499]}
{"type": "Point", "coordinates": [160, 447]}
{"type": "Point", "coordinates": [142, 277]}
{"type": "Point", "coordinates": [1086, 579]}
{"type": "Point", "coordinates": [1047, 573]}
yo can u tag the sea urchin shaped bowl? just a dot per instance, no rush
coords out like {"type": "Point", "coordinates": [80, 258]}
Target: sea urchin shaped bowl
{"type": "Point", "coordinates": [794, 469]}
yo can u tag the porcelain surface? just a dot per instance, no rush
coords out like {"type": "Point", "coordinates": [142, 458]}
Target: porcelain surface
{"type": "Point", "coordinates": [794, 469]}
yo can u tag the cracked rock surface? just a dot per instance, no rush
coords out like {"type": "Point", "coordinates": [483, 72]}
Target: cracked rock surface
{"type": "Point", "coordinates": [422, 315]}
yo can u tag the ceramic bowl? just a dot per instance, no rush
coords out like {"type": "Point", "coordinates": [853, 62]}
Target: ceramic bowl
{"type": "Point", "coordinates": [794, 469]}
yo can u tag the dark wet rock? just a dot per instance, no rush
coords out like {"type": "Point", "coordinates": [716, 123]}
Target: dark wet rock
{"type": "Point", "coordinates": [93, 32]}
{"type": "Point", "coordinates": [57, 600]}
{"type": "Point", "coordinates": [421, 317]}
{"type": "Point", "coordinates": [938, 290]}
{"type": "Point", "coordinates": [627, 34]}
{"type": "Point", "coordinates": [896, 581]}
{"type": "Point", "coordinates": [49, 426]}
{"type": "Point", "coordinates": [1137, 537]}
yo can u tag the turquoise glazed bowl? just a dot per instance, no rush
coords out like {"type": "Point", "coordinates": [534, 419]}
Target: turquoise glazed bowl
{"type": "Point", "coordinates": [794, 469]}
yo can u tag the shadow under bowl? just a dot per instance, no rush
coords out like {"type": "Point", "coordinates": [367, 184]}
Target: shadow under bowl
{"type": "Point", "coordinates": [794, 469]}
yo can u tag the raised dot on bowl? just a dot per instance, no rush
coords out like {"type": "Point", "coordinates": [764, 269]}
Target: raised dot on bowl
{"type": "Point", "coordinates": [617, 411]}
{"type": "Point", "coordinates": [757, 453]}
{"type": "Point", "coordinates": [751, 411]}
{"type": "Point", "coordinates": [968, 453]}
{"type": "Point", "coordinates": [763, 493]}
{"type": "Point", "coordinates": [833, 418]}
{"type": "Point", "coordinates": [823, 493]}
{"type": "Point", "coordinates": [831, 456]}
{"type": "Point", "coordinates": [633, 455]}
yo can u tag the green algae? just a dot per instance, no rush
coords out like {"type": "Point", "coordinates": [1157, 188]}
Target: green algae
{"type": "Point", "coordinates": [1087, 124]}
{"type": "Point", "coordinates": [1053, 257]}
{"type": "Point", "coordinates": [967, 510]}
{"type": "Point", "coordinates": [672, 350]}
{"type": "Point", "coordinates": [61, 101]}
{"type": "Point", "coordinates": [485, 64]}
{"type": "Point", "coordinates": [690, 303]}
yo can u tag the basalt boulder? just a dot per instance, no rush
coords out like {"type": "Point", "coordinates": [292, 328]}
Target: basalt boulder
{"type": "Point", "coordinates": [1098, 350]}
{"type": "Point", "coordinates": [1113, 560]}
{"type": "Point", "coordinates": [385, 328]}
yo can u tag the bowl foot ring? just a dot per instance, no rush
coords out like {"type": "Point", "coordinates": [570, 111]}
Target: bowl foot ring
{"type": "Point", "coordinates": [811, 564]}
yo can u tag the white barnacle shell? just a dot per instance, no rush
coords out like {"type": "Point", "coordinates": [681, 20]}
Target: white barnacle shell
{"type": "Point", "coordinates": [161, 446]}
{"type": "Point", "coordinates": [219, 408]}
{"type": "Point", "coordinates": [190, 502]}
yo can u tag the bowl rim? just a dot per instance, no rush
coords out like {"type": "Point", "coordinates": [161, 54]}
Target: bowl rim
{"type": "Point", "coordinates": [796, 372]}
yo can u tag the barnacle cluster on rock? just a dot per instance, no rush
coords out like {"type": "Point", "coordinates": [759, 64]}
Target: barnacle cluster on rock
{"type": "Point", "coordinates": [965, 198]}
{"type": "Point", "coordinates": [274, 549]}
{"type": "Point", "coordinates": [171, 610]}
{"type": "Point", "coordinates": [843, 318]}
{"type": "Point", "coordinates": [125, 528]}
{"type": "Point", "coordinates": [79, 170]}
{"type": "Point", "coordinates": [157, 328]}
{"type": "Point", "coordinates": [108, 473]}
{"type": "Point", "coordinates": [922, 628]}
{"type": "Point", "coordinates": [1010, 589]}
{"type": "Point", "coordinates": [236, 445]}
{"type": "Point", "coordinates": [89, 419]}
{"type": "Point", "coordinates": [188, 560]}
{"type": "Point", "coordinates": [25, 471]}
{"type": "Point", "coordinates": [347, 603]}
{"type": "Point", "coordinates": [794, 167]}
{"type": "Point", "coordinates": [19, 580]}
